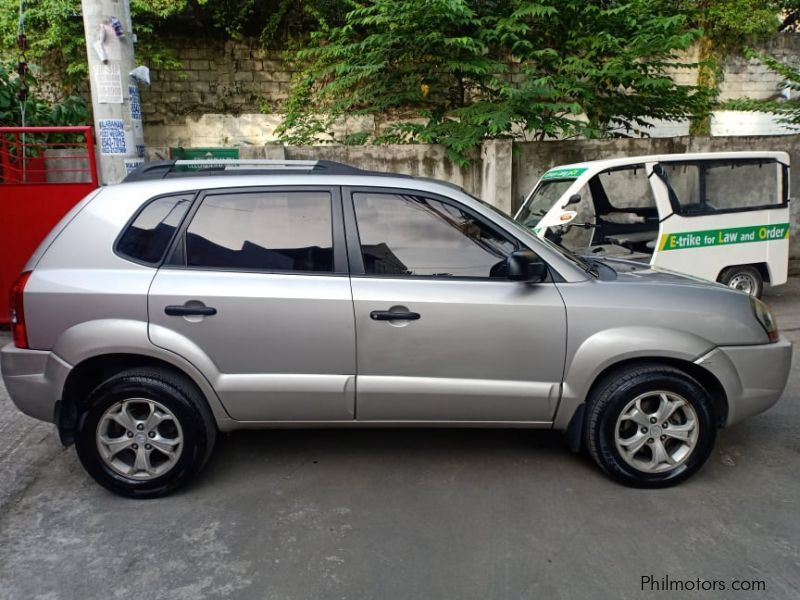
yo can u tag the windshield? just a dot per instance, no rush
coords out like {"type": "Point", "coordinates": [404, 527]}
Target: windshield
{"type": "Point", "coordinates": [542, 200]}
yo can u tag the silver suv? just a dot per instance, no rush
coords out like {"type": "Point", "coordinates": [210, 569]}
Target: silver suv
{"type": "Point", "coordinates": [195, 298]}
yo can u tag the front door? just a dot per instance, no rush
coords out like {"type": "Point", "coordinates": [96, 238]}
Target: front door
{"type": "Point", "coordinates": [442, 335]}
{"type": "Point", "coordinates": [259, 291]}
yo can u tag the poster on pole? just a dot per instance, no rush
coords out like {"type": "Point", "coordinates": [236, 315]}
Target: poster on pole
{"type": "Point", "coordinates": [136, 114]}
{"type": "Point", "coordinates": [131, 164]}
{"type": "Point", "coordinates": [136, 103]}
{"type": "Point", "coordinates": [113, 139]}
{"type": "Point", "coordinates": [108, 83]}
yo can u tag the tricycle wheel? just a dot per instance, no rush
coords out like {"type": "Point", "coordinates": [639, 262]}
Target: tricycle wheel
{"type": "Point", "coordinates": [744, 278]}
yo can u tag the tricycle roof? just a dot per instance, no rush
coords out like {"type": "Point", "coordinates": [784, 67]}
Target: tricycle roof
{"type": "Point", "coordinates": [572, 171]}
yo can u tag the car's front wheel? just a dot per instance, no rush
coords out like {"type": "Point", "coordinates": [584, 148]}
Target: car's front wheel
{"type": "Point", "coordinates": [145, 432]}
{"type": "Point", "coordinates": [650, 426]}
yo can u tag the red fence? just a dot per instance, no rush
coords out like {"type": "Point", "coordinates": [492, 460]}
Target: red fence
{"type": "Point", "coordinates": [44, 172]}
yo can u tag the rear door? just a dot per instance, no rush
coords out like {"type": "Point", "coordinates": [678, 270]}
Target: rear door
{"type": "Point", "coordinates": [257, 287]}
{"type": "Point", "coordinates": [466, 344]}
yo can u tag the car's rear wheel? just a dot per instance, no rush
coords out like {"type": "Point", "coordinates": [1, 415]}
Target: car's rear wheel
{"type": "Point", "coordinates": [744, 278]}
{"type": "Point", "coordinates": [145, 432]}
{"type": "Point", "coordinates": [650, 426]}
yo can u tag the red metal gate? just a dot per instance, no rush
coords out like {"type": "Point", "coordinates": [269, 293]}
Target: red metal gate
{"type": "Point", "coordinates": [44, 172]}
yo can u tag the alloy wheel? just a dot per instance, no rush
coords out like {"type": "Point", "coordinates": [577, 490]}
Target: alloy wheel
{"type": "Point", "coordinates": [656, 431]}
{"type": "Point", "coordinates": [139, 438]}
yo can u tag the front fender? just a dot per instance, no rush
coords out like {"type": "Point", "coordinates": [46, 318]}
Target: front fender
{"type": "Point", "coordinates": [612, 346]}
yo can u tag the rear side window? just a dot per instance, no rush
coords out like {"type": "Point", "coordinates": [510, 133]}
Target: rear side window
{"type": "Point", "coordinates": [263, 231]}
{"type": "Point", "coordinates": [146, 239]}
{"type": "Point", "coordinates": [705, 187]}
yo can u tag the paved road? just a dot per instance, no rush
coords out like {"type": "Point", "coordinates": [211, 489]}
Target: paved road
{"type": "Point", "coordinates": [405, 515]}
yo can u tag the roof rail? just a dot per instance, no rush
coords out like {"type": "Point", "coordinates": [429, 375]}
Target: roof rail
{"type": "Point", "coordinates": [164, 169]}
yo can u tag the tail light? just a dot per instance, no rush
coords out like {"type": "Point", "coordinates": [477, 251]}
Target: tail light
{"type": "Point", "coordinates": [18, 332]}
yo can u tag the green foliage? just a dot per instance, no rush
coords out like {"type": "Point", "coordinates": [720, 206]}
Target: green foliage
{"type": "Point", "coordinates": [459, 71]}
{"type": "Point", "coordinates": [71, 111]}
{"type": "Point", "coordinates": [730, 23]}
{"type": "Point", "coordinates": [56, 37]}
{"type": "Point", "coordinates": [273, 22]}
{"type": "Point", "coordinates": [55, 30]}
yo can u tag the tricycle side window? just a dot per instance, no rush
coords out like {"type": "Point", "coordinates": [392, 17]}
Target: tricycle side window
{"type": "Point", "coordinates": [622, 189]}
{"type": "Point", "coordinates": [724, 185]}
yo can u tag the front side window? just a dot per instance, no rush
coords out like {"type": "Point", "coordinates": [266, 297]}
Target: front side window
{"type": "Point", "coordinates": [147, 237]}
{"type": "Point", "coordinates": [264, 231]}
{"type": "Point", "coordinates": [417, 236]}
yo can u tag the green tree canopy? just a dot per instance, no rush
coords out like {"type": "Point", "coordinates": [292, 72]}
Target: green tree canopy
{"type": "Point", "coordinates": [56, 37]}
{"type": "Point", "coordinates": [458, 71]}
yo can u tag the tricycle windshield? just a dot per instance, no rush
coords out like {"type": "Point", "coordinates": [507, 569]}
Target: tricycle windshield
{"type": "Point", "coordinates": [543, 198]}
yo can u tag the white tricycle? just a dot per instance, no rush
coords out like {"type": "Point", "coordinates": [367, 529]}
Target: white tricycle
{"type": "Point", "coordinates": [721, 216]}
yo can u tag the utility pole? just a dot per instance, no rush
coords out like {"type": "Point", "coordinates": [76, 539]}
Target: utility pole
{"type": "Point", "coordinates": [115, 96]}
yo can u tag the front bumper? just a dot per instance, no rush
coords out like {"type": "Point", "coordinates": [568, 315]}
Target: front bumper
{"type": "Point", "coordinates": [34, 380]}
{"type": "Point", "coordinates": [754, 377]}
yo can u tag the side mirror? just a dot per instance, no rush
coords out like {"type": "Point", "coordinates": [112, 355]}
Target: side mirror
{"type": "Point", "coordinates": [524, 265]}
{"type": "Point", "coordinates": [574, 199]}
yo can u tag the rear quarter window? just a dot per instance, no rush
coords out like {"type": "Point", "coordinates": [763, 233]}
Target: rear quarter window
{"type": "Point", "coordinates": [147, 237]}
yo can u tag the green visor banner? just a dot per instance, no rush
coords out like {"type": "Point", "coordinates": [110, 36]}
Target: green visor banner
{"type": "Point", "coordinates": [724, 237]}
{"type": "Point", "coordinates": [564, 173]}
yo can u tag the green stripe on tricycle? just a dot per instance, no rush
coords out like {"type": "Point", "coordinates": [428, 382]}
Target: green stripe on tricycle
{"type": "Point", "coordinates": [564, 173]}
{"type": "Point", "coordinates": [724, 237]}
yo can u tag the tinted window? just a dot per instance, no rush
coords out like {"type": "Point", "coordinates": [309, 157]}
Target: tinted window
{"type": "Point", "coordinates": [269, 231]}
{"type": "Point", "coordinates": [147, 238]}
{"type": "Point", "coordinates": [709, 186]}
{"type": "Point", "coordinates": [412, 235]}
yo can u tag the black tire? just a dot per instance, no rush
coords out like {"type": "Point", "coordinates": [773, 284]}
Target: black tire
{"type": "Point", "coordinates": [615, 392]}
{"type": "Point", "coordinates": [743, 271]}
{"type": "Point", "coordinates": [173, 392]}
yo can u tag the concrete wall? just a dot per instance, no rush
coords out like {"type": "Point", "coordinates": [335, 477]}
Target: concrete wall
{"type": "Point", "coordinates": [751, 79]}
{"type": "Point", "coordinates": [231, 78]}
{"type": "Point", "coordinates": [503, 172]}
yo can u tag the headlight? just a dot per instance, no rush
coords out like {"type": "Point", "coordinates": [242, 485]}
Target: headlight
{"type": "Point", "coordinates": [764, 316]}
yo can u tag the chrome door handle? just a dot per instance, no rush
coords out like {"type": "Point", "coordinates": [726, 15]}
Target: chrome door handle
{"type": "Point", "coordinates": [390, 315]}
{"type": "Point", "coordinates": [179, 310]}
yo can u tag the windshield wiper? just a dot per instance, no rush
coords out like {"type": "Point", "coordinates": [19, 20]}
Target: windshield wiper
{"type": "Point", "coordinates": [585, 264]}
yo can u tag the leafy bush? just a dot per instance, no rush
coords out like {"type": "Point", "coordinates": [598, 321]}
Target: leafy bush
{"type": "Point", "coordinates": [38, 112]}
